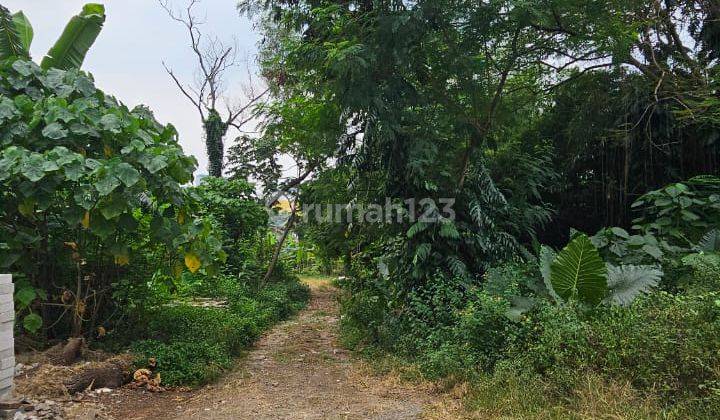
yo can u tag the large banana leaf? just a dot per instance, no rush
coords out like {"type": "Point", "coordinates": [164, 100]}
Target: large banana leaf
{"type": "Point", "coordinates": [578, 272]}
{"type": "Point", "coordinates": [24, 30]}
{"type": "Point", "coordinates": [11, 44]}
{"type": "Point", "coordinates": [79, 35]}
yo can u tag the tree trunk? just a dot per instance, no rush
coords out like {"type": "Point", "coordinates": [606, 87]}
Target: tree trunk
{"type": "Point", "coordinates": [278, 248]}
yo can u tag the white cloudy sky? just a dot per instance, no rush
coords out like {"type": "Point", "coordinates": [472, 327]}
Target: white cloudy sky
{"type": "Point", "coordinates": [138, 36]}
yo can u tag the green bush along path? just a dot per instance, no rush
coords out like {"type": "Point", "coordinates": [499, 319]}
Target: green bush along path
{"type": "Point", "coordinates": [297, 370]}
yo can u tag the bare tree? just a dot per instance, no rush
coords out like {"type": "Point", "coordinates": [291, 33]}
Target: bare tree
{"type": "Point", "coordinates": [207, 92]}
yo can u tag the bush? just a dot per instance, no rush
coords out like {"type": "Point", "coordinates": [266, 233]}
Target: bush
{"type": "Point", "coordinates": [184, 363]}
{"type": "Point", "coordinates": [666, 343]}
{"type": "Point", "coordinates": [663, 343]}
{"type": "Point", "coordinates": [662, 349]}
{"type": "Point", "coordinates": [231, 331]}
{"type": "Point", "coordinates": [193, 345]}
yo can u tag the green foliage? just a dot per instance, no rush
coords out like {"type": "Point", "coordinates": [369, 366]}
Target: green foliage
{"type": "Point", "coordinates": [215, 129]}
{"type": "Point", "coordinates": [81, 175]}
{"type": "Point", "coordinates": [618, 285]}
{"type": "Point", "coordinates": [626, 282]}
{"type": "Point", "coordinates": [710, 242]}
{"type": "Point", "coordinates": [24, 298]}
{"type": "Point", "coordinates": [617, 245]}
{"type": "Point", "coordinates": [578, 272]}
{"type": "Point", "coordinates": [681, 212]}
{"type": "Point", "coordinates": [11, 41]}
{"type": "Point", "coordinates": [24, 30]}
{"type": "Point", "coordinates": [638, 344]}
{"type": "Point", "coordinates": [184, 362]}
{"type": "Point", "coordinates": [700, 273]}
{"type": "Point", "coordinates": [69, 51]}
{"type": "Point", "coordinates": [535, 117]}
{"type": "Point", "coordinates": [74, 43]}
{"type": "Point", "coordinates": [193, 344]}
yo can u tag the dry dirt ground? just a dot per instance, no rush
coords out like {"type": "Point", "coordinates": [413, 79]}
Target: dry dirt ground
{"type": "Point", "coordinates": [298, 370]}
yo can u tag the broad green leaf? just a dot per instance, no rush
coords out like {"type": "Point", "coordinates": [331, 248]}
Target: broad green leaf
{"type": "Point", "coordinates": [111, 122]}
{"type": "Point", "coordinates": [50, 166]}
{"type": "Point", "coordinates": [54, 131]}
{"type": "Point", "coordinates": [7, 109]}
{"type": "Point", "coordinates": [32, 323]}
{"type": "Point", "coordinates": [155, 164]}
{"type": "Point", "coordinates": [107, 184]}
{"type": "Point", "coordinates": [24, 29]}
{"type": "Point", "coordinates": [25, 296]}
{"type": "Point", "coordinates": [113, 206]}
{"type": "Point", "coordinates": [73, 215]}
{"type": "Point", "coordinates": [547, 256]}
{"type": "Point", "coordinates": [79, 35]}
{"type": "Point", "coordinates": [27, 208]}
{"type": "Point", "coordinates": [11, 44]}
{"type": "Point", "coordinates": [102, 227]}
{"type": "Point", "coordinates": [620, 232]}
{"type": "Point", "coordinates": [127, 174]}
{"type": "Point", "coordinates": [578, 272]}
{"type": "Point", "coordinates": [33, 168]}
{"type": "Point", "coordinates": [627, 282]}
{"type": "Point", "coordinates": [653, 250]}
{"type": "Point", "coordinates": [636, 240]}
{"type": "Point", "coordinates": [74, 171]}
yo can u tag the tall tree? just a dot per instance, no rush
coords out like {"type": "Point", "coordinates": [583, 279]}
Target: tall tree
{"type": "Point", "coordinates": [214, 59]}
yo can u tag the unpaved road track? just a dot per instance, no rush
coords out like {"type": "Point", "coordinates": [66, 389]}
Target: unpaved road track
{"type": "Point", "coordinates": [298, 370]}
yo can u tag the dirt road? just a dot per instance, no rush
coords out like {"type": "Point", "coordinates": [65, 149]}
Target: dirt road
{"type": "Point", "coordinates": [296, 371]}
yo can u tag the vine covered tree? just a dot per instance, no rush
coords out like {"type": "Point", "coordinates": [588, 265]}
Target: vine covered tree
{"type": "Point", "coordinates": [214, 59]}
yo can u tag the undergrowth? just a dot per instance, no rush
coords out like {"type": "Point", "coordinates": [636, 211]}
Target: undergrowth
{"type": "Point", "coordinates": [655, 358]}
{"type": "Point", "coordinates": [194, 345]}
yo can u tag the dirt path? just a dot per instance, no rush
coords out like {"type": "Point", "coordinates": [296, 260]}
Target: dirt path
{"type": "Point", "coordinates": [297, 371]}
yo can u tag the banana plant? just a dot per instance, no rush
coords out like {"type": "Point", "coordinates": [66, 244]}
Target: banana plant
{"type": "Point", "coordinates": [69, 51]}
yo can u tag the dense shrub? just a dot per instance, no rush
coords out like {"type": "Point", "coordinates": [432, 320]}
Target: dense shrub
{"type": "Point", "coordinates": [91, 198]}
{"type": "Point", "coordinates": [663, 344]}
{"type": "Point", "coordinates": [193, 344]}
{"type": "Point", "coordinates": [184, 362]}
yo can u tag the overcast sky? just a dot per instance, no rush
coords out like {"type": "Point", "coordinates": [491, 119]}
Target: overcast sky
{"type": "Point", "coordinates": [138, 36]}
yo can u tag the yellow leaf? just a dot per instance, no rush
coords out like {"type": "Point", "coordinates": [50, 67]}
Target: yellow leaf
{"type": "Point", "coordinates": [122, 260]}
{"type": "Point", "coordinates": [27, 208]}
{"type": "Point", "coordinates": [86, 220]}
{"type": "Point", "coordinates": [192, 262]}
{"type": "Point", "coordinates": [181, 217]}
{"type": "Point", "coordinates": [108, 151]}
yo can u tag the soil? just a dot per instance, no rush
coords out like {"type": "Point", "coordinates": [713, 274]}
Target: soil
{"type": "Point", "coordinates": [298, 370]}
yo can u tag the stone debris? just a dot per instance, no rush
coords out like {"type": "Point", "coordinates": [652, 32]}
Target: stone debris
{"type": "Point", "coordinates": [35, 410]}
